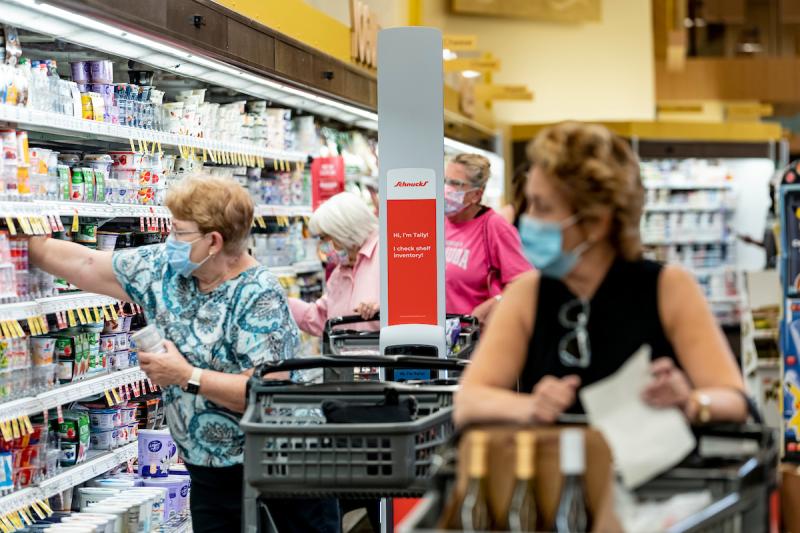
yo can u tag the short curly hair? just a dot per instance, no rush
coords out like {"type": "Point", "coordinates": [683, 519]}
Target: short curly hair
{"type": "Point", "coordinates": [215, 204]}
{"type": "Point", "coordinates": [595, 170]}
{"type": "Point", "coordinates": [479, 168]}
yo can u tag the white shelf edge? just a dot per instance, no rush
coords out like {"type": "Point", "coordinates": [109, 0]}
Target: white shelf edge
{"type": "Point", "coordinates": [655, 208]}
{"type": "Point", "coordinates": [53, 304]}
{"type": "Point", "coordinates": [46, 122]}
{"type": "Point", "coordinates": [688, 186]}
{"type": "Point", "coordinates": [282, 210]}
{"type": "Point", "coordinates": [307, 267]}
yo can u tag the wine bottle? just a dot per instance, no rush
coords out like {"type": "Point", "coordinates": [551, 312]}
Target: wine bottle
{"type": "Point", "coordinates": [475, 514]}
{"type": "Point", "coordinates": [572, 515]}
{"type": "Point", "coordinates": [522, 513]}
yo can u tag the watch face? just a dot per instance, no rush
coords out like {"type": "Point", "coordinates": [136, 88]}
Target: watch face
{"type": "Point", "coordinates": [192, 388]}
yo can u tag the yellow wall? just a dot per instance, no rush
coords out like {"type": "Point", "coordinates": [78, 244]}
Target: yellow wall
{"type": "Point", "coordinates": [390, 12]}
{"type": "Point", "coordinates": [593, 71]}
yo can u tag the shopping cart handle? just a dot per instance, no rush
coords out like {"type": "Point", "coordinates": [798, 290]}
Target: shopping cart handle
{"type": "Point", "coordinates": [349, 361]}
{"type": "Point", "coordinates": [350, 319]}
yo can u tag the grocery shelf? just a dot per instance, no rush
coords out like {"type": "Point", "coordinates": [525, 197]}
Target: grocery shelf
{"type": "Point", "coordinates": [723, 300]}
{"type": "Point", "coordinates": [47, 122]}
{"type": "Point", "coordinates": [283, 210]}
{"type": "Point", "coordinates": [765, 334]}
{"type": "Point", "coordinates": [672, 242]}
{"type": "Point", "coordinates": [668, 208]}
{"type": "Point", "coordinates": [687, 186]}
{"type": "Point", "coordinates": [768, 363]}
{"type": "Point", "coordinates": [69, 393]}
{"type": "Point", "coordinates": [54, 304]}
{"type": "Point", "coordinates": [307, 267]}
{"type": "Point", "coordinates": [101, 210]}
{"type": "Point", "coordinates": [97, 464]}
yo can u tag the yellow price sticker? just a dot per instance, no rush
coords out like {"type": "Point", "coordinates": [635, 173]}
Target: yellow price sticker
{"type": "Point", "coordinates": [97, 316]}
{"type": "Point", "coordinates": [33, 327]}
{"type": "Point", "coordinates": [15, 428]}
{"type": "Point", "coordinates": [5, 330]}
{"type": "Point", "coordinates": [133, 147]}
{"type": "Point", "coordinates": [18, 328]}
{"type": "Point", "coordinates": [106, 314]}
{"type": "Point", "coordinates": [160, 150]}
{"type": "Point", "coordinates": [114, 314]}
{"type": "Point", "coordinates": [75, 226]}
{"type": "Point", "coordinates": [38, 510]}
{"type": "Point", "coordinates": [116, 395]}
{"type": "Point", "coordinates": [24, 225]}
{"type": "Point", "coordinates": [212, 156]}
{"type": "Point", "coordinates": [6, 431]}
{"type": "Point", "coordinates": [27, 421]}
{"type": "Point", "coordinates": [109, 399]}
{"type": "Point", "coordinates": [45, 506]}
{"type": "Point", "coordinates": [71, 318]}
{"type": "Point", "coordinates": [43, 324]}
{"type": "Point", "coordinates": [261, 222]}
{"type": "Point", "coordinates": [12, 229]}
{"type": "Point", "coordinates": [81, 316]}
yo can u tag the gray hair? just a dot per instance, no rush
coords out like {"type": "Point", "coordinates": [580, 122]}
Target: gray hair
{"type": "Point", "coordinates": [478, 168]}
{"type": "Point", "coordinates": [346, 218]}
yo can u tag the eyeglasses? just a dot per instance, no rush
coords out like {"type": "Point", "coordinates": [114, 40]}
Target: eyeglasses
{"type": "Point", "coordinates": [460, 185]}
{"type": "Point", "coordinates": [575, 315]}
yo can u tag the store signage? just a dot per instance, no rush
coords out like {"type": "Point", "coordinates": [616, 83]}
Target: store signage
{"type": "Point", "coordinates": [569, 11]}
{"type": "Point", "coordinates": [364, 29]}
{"type": "Point", "coordinates": [503, 92]}
{"type": "Point", "coordinates": [460, 43]}
{"type": "Point", "coordinates": [478, 64]}
{"type": "Point", "coordinates": [411, 246]}
{"type": "Point", "coordinates": [327, 178]}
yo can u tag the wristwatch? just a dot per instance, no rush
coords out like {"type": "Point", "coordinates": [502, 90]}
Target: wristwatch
{"type": "Point", "coordinates": [703, 408]}
{"type": "Point", "coordinates": [193, 385]}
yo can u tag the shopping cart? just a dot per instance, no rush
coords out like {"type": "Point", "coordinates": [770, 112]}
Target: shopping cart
{"type": "Point", "coordinates": [736, 464]}
{"type": "Point", "coordinates": [291, 450]}
{"type": "Point", "coordinates": [338, 339]}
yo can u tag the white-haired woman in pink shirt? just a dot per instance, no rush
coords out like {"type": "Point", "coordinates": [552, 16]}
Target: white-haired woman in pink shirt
{"type": "Point", "coordinates": [347, 223]}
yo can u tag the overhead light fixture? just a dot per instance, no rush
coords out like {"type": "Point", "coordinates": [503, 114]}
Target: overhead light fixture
{"type": "Point", "coordinates": [448, 54]}
{"type": "Point", "coordinates": [469, 74]}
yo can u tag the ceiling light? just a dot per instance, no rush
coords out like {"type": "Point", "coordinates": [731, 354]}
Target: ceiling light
{"type": "Point", "coordinates": [447, 54]}
{"type": "Point", "coordinates": [470, 74]}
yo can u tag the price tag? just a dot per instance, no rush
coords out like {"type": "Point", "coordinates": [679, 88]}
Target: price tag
{"type": "Point", "coordinates": [5, 429]}
{"type": "Point", "coordinates": [43, 324]}
{"type": "Point", "coordinates": [141, 224]}
{"type": "Point", "coordinates": [261, 222]}
{"type": "Point", "coordinates": [28, 426]}
{"type": "Point", "coordinates": [12, 229]}
{"type": "Point", "coordinates": [38, 510]}
{"type": "Point", "coordinates": [25, 225]}
{"type": "Point", "coordinates": [151, 385]}
{"type": "Point", "coordinates": [106, 314]}
{"type": "Point", "coordinates": [59, 414]}
{"type": "Point", "coordinates": [71, 317]}
{"type": "Point", "coordinates": [160, 151]}
{"type": "Point", "coordinates": [109, 399]}
{"type": "Point", "coordinates": [15, 428]}
{"type": "Point", "coordinates": [117, 398]}
{"type": "Point", "coordinates": [113, 310]}
{"type": "Point", "coordinates": [61, 320]}
{"type": "Point", "coordinates": [75, 226]}
{"type": "Point", "coordinates": [5, 330]}
{"type": "Point", "coordinates": [212, 156]}
{"type": "Point", "coordinates": [97, 316]}
{"type": "Point", "coordinates": [135, 386]}
{"type": "Point", "coordinates": [33, 327]}
{"type": "Point", "coordinates": [81, 316]}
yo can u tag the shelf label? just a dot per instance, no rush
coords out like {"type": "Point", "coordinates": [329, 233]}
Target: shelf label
{"type": "Point", "coordinates": [106, 314]}
{"type": "Point", "coordinates": [75, 226]}
{"type": "Point", "coordinates": [5, 429]}
{"type": "Point", "coordinates": [12, 229]}
{"type": "Point", "coordinates": [114, 314]}
{"type": "Point", "coordinates": [15, 428]}
{"type": "Point", "coordinates": [81, 316]}
{"type": "Point", "coordinates": [71, 317]}
{"type": "Point", "coordinates": [59, 414]}
{"type": "Point", "coordinates": [109, 399]}
{"type": "Point", "coordinates": [97, 316]}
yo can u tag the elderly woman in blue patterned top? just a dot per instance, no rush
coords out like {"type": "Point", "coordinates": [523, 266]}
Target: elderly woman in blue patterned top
{"type": "Point", "coordinates": [222, 315]}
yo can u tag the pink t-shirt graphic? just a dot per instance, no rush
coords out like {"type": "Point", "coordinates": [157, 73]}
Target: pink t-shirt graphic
{"type": "Point", "coordinates": [474, 249]}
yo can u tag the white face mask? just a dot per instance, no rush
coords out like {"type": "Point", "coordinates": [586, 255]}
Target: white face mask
{"type": "Point", "coordinates": [454, 200]}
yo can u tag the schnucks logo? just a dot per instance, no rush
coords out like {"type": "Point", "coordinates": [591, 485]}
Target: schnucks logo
{"type": "Point", "coordinates": [420, 183]}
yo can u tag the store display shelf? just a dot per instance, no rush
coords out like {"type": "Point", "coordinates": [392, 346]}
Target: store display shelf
{"type": "Point", "coordinates": [102, 210]}
{"type": "Point", "coordinates": [56, 123]}
{"type": "Point", "coordinates": [674, 242]}
{"type": "Point", "coordinates": [687, 185]}
{"type": "Point", "coordinates": [768, 363]}
{"type": "Point", "coordinates": [69, 393]}
{"type": "Point", "coordinates": [77, 300]}
{"type": "Point", "coordinates": [96, 465]}
{"type": "Point", "coordinates": [765, 334]}
{"type": "Point", "coordinates": [283, 210]}
{"type": "Point", "coordinates": [307, 267]}
{"type": "Point", "coordinates": [712, 271]}
{"type": "Point", "coordinates": [668, 208]}
{"type": "Point", "coordinates": [724, 300]}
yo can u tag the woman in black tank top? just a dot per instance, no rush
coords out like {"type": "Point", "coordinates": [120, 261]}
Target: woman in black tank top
{"type": "Point", "coordinates": [594, 301]}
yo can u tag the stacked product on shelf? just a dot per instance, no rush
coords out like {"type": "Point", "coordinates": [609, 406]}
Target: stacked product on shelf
{"type": "Point", "coordinates": [688, 221]}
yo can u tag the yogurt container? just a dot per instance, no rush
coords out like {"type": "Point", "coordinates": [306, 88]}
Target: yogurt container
{"type": "Point", "coordinates": [105, 419]}
{"type": "Point", "coordinates": [128, 415]}
{"type": "Point", "coordinates": [157, 451]}
{"type": "Point", "coordinates": [90, 495]}
{"type": "Point", "coordinates": [172, 505]}
{"type": "Point", "coordinates": [104, 440]}
{"type": "Point", "coordinates": [121, 342]}
{"type": "Point", "coordinates": [115, 483]}
{"type": "Point", "coordinates": [158, 498]}
{"type": "Point", "coordinates": [43, 349]}
{"type": "Point", "coordinates": [120, 511]}
{"type": "Point", "coordinates": [114, 524]}
{"type": "Point", "coordinates": [122, 359]}
{"type": "Point", "coordinates": [101, 525]}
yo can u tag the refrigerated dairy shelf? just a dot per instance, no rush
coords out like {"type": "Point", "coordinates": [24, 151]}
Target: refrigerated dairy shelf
{"type": "Point", "coordinates": [54, 304]}
{"type": "Point", "coordinates": [69, 393]}
{"type": "Point", "coordinates": [283, 210]}
{"type": "Point", "coordinates": [687, 185]}
{"type": "Point", "coordinates": [97, 465]}
{"type": "Point", "coordinates": [668, 208]}
{"type": "Point", "coordinates": [55, 123]}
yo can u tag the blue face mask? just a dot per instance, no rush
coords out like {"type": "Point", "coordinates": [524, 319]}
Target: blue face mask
{"type": "Point", "coordinates": [542, 244]}
{"type": "Point", "coordinates": [179, 256]}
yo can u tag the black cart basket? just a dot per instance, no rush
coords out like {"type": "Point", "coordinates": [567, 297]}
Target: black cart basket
{"type": "Point", "coordinates": [291, 450]}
